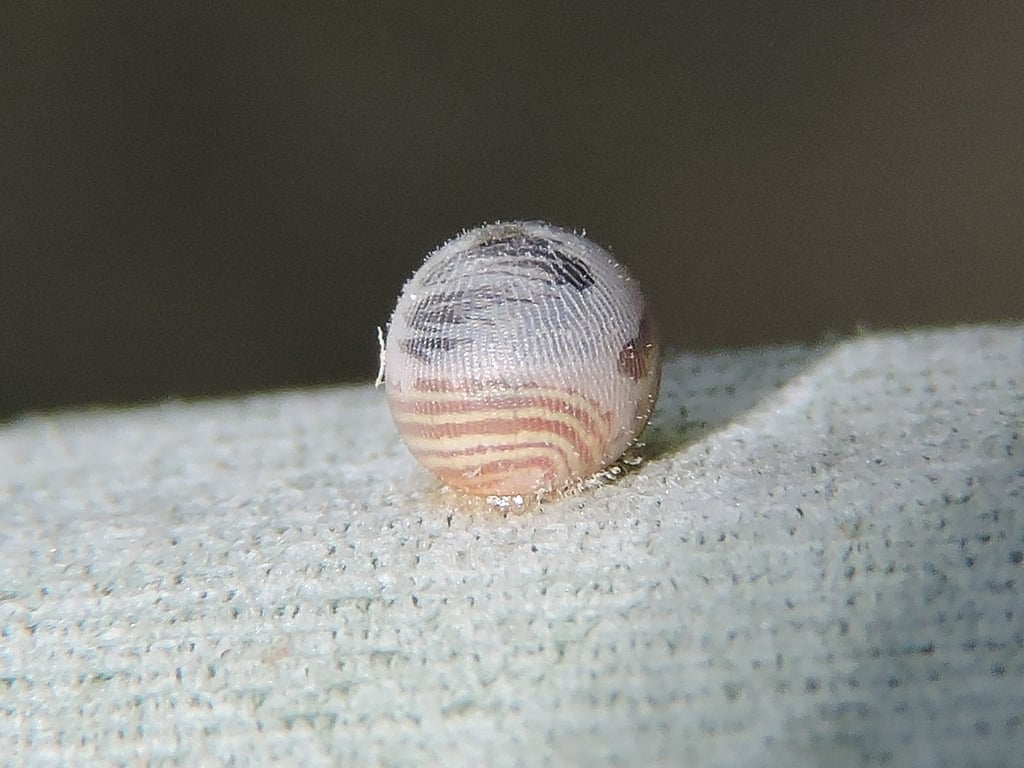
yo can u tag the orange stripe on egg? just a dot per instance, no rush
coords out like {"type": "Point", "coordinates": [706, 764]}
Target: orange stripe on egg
{"type": "Point", "coordinates": [540, 431]}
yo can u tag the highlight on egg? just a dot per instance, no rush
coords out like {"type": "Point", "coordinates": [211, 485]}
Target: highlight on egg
{"type": "Point", "coordinates": [521, 359]}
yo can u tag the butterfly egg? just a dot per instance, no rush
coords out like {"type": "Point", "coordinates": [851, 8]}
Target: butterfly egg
{"type": "Point", "coordinates": [520, 360]}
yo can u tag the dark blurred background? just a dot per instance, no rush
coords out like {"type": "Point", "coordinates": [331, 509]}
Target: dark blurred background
{"type": "Point", "coordinates": [202, 198]}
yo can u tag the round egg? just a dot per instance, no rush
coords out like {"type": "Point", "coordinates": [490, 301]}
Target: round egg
{"type": "Point", "coordinates": [521, 359]}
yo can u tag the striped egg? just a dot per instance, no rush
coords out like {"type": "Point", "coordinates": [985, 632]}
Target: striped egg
{"type": "Point", "coordinates": [520, 360]}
